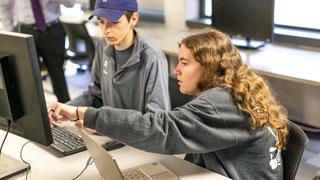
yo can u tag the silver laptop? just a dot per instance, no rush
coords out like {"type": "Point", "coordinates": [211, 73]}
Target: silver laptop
{"type": "Point", "coordinates": [109, 170]}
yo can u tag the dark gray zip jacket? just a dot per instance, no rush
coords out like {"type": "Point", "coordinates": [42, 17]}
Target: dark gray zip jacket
{"type": "Point", "coordinates": [141, 83]}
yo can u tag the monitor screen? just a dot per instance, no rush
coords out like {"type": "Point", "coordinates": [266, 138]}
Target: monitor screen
{"type": "Point", "coordinates": [21, 94]}
{"type": "Point", "coordinates": [248, 19]}
{"type": "Point", "coordinates": [22, 105]}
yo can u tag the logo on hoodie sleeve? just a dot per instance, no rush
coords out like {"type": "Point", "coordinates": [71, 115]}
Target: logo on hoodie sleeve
{"type": "Point", "coordinates": [275, 153]}
{"type": "Point", "coordinates": [275, 157]}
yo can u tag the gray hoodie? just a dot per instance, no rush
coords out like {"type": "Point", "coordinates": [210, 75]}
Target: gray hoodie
{"type": "Point", "coordinates": [210, 129]}
{"type": "Point", "coordinates": [141, 83]}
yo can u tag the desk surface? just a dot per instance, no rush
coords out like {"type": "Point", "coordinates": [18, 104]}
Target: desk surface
{"type": "Point", "coordinates": [45, 164]}
{"type": "Point", "coordinates": [293, 61]}
{"type": "Point", "coordinates": [280, 59]}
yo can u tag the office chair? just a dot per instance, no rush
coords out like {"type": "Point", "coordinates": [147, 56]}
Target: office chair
{"type": "Point", "coordinates": [291, 156]}
{"type": "Point", "coordinates": [176, 98]}
{"type": "Point", "coordinates": [81, 47]}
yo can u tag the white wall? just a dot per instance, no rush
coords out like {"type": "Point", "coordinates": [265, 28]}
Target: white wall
{"type": "Point", "coordinates": [151, 4]}
{"type": "Point", "coordinates": [175, 11]}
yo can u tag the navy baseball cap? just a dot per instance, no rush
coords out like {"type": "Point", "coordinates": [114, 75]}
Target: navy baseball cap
{"type": "Point", "coordinates": [113, 9]}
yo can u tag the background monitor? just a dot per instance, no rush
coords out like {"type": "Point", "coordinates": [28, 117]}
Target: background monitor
{"type": "Point", "coordinates": [92, 4]}
{"type": "Point", "coordinates": [22, 99]}
{"type": "Point", "coordinates": [249, 22]}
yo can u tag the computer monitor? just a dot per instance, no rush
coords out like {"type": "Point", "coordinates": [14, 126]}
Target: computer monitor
{"type": "Point", "coordinates": [92, 4]}
{"type": "Point", "coordinates": [22, 99]}
{"type": "Point", "coordinates": [249, 22]}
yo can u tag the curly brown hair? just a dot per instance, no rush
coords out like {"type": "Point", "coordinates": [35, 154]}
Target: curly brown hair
{"type": "Point", "coordinates": [223, 67]}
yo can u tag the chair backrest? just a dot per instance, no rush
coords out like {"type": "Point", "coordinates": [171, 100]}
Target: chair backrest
{"type": "Point", "coordinates": [80, 42]}
{"type": "Point", "coordinates": [176, 98]}
{"type": "Point", "coordinates": [291, 156]}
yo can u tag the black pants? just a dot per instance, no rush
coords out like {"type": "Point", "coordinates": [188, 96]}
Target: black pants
{"type": "Point", "coordinates": [50, 46]}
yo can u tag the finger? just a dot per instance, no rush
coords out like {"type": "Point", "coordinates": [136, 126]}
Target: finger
{"type": "Point", "coordinates": [51, 110]}
{"type": "Point", "coordinates": [52, 118]}
{"type": "Point", "coordinates": [54, 123]}
{"type": "Point", "coordinates": [56, 113]}
{"type": "Point", "coordinates": [52, 107]}
{"type": "Point", "coordinates": [57, 117]}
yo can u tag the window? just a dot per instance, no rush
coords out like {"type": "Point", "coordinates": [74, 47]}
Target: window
{"type": "Point", "coordinates": [298, 13]}
{"type": "Point", "coordinates": [207, 8]}
{"type": "Point", "coordinates": [294, 13]}
{"type": "Point", "coordinates": [292, 18]}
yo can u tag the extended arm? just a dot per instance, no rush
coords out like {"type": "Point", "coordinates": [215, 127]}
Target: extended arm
{"type": "Point", "coordinates": [210, 122]}
{"type": "Point", "coordinates": [186, 130]}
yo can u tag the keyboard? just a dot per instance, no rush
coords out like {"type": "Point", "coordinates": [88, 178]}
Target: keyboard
{"type": "Point", "coordinates": [66, 142]}
{"type": "Point", "coordinates": [136, 174]}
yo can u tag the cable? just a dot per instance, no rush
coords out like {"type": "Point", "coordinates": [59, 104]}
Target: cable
{"type": "Point", "coordinates": [29, 165]}
{"type": "Point", "coordinates": [89, 162]}
{"type": "Point", "coordinates": [5, 137]}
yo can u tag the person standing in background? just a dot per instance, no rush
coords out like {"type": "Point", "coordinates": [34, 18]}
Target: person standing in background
{"type": "Point", "coordinates": [40, 18]}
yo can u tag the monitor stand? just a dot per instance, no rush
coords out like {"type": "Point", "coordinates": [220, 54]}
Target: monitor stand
{"type": "Point", "coordinates": [11, 166]}
{"type": "Point", "coordinates": [247, 43]}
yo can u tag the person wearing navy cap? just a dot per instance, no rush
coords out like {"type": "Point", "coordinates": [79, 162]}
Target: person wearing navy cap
{"type": "Point", "coordinates": [128, 71]}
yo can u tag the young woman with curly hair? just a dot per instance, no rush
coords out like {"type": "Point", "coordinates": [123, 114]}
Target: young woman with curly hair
{"type": "Point", "coordinates": [234, 126]}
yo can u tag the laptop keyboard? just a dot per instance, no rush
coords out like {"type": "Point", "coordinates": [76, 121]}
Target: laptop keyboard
{"type": "Point", "coordinates": [66, 142]}
{"type": "Point", "coordinates": [136, 175]}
